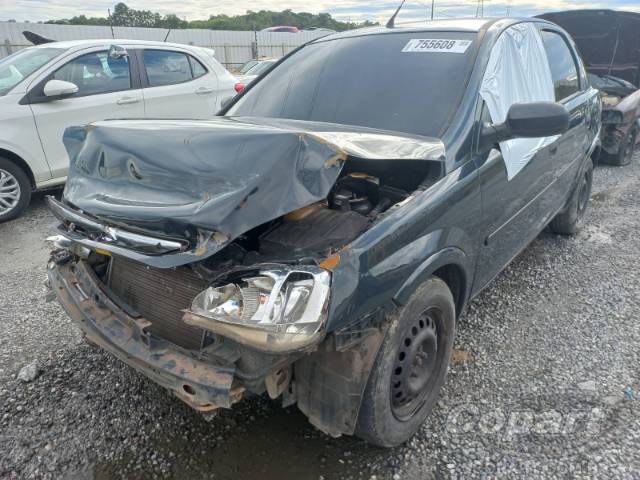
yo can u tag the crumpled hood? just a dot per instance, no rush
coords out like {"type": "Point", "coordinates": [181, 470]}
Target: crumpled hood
{"type": "Point", "coordinates": [220, 177]}
{"type": "Point", "coordinates": [608, 40]}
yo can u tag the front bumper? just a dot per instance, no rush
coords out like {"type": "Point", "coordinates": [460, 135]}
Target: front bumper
{"type": "Point", "coordinates": [94, 234]}
{"type": "Point", "coordinates": [202, 385]}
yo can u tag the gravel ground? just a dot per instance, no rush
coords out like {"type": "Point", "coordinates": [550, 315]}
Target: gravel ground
{"type": "Point", "coordinates": [545, 380]}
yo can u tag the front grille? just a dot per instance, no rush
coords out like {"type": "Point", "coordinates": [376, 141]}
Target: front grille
{"type": "Point", "coordinates": [159, 295]}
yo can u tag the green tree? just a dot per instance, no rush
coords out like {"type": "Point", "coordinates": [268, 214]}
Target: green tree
{"type": "Point", "coordinates": [123, 16]}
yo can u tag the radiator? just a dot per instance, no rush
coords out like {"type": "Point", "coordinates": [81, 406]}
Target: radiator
{"type": "Point", "coordinates": [159, 295]}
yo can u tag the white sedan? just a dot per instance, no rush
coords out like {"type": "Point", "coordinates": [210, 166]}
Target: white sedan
{"type": "Point", "coordinates": [257, 68]}
{"type": "Point", "coordinates": [46, 88]}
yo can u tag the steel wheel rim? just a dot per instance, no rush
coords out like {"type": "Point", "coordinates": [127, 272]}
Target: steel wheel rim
{"type": "Point", "coordinates": [9, 192]}
{"type": "Point", "coordinates": [416, 365]}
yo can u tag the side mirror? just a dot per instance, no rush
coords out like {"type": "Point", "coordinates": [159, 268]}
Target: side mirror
{"type": "Point", "coordinates": [527, 120]}
{"type": "Point", "coordinates": [117, 51]}
{"type": "Point", "coordinates": [59, 89]}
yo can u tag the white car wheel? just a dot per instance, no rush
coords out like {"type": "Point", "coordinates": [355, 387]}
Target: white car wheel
{"type": "Point", "coordinates": [9, 192]}
{"type": "Point", "coordinates": [15, 190]}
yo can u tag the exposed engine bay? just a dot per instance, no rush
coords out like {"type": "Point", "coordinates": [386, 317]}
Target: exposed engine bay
{"type": "Point", "coordinates": [355, 201]}
{"type": "Point", "coordinates": [363, 193]}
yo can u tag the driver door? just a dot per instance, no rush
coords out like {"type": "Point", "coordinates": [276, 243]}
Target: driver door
{"type": "Point", "coordinates": [516, 176]}
{"type": "Point", "coordinates": [108, 88]}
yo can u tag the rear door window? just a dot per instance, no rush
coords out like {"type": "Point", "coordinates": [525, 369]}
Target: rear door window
{"type": "Point", "coordinates": [165, 67]}
{"type": "Point", "coordinates": [197, 68]}
{"type": "Point", "coordinates": [564, 71]}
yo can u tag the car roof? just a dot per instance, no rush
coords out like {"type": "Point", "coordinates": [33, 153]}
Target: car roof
{"type": "Point", "coordinates": [588, 12]}
{"type": "Point", "coordinates": [471, 25]}
{"type": "Point", "coordinates": [77, 44]}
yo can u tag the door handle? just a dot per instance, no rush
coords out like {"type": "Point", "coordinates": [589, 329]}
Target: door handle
{"type": "Point", "coordinates": [127, 100]}
{"type": "Point", "coordinates": [203, 91]}
{"type": "Point", "coordinates": [553, 150]}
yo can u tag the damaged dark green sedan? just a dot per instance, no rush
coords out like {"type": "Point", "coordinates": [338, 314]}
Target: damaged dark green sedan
{"type": "Point", "coordinates": [320, 238]}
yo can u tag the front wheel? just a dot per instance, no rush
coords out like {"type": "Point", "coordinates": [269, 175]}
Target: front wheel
{"type": "Point", "coordinates": [570, 220]}
{"type": "Point", "coordinates": [15, 190]}
{"type": "Point", "coordinates": [410, 367]}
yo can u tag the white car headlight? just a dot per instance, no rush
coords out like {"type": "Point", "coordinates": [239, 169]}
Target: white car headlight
{"type": "Point", "coordinates": [279, 309]}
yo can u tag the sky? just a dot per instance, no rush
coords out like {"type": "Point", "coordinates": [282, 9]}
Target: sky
{"type": "Point", "coordinates": [354, 10]}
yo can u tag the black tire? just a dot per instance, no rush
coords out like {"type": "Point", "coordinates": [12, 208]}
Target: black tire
{"type": "Point", "coordinates": [410, 367]}
{"type": "Point", "coordinates": [571, 219]}
{"type": "Point", "coordinates": [625, 152]}
{"type": "Point", "coordinates": [13, 180]}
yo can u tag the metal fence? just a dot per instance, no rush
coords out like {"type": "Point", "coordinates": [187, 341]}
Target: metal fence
{"type": "Point", "coordinates": [232, 48]}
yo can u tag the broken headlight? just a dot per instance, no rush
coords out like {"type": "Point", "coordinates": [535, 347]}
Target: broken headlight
{"type": "Point", "coordinates": [279, 309]}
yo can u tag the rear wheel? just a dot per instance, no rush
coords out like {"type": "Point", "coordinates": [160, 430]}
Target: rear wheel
{"type": "Point", "coordinates": [570, 220]}
{"type": "Point", "coordinates": [410, 367]}
{"type": "Point", "coordinates": [15, 190]}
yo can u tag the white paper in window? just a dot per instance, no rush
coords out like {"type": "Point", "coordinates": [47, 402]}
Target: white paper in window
{"type": "Point", "coordinates": [518, 71]}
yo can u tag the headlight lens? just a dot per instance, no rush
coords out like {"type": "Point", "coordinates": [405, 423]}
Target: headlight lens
{"type": "Point", "coordinates": [279, 309]}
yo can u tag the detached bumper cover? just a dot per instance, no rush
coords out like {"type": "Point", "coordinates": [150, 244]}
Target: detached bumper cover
{"type": "Point", "coordinates": [202, 385]}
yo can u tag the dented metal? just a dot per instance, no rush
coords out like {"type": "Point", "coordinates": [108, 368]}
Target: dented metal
{"type": "Point", "coordinates": [156, 184]}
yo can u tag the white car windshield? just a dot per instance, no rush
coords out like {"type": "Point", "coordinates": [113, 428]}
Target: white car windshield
{"type": "Point", "coordinates": [18, 66]}
{"type": "Point", "coordinates": [248, 66]}
{"type": "Point", "coordinates": [260, 67]}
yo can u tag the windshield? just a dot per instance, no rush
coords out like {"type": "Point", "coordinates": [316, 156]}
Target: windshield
{"type": "Point", "coordinates": [368, 81]}
{"type": "Point", "coordinates": [23, 63]}
{"type": "Point", "coordinates": [250, 64]}
{"type": "Point", "coordinates": [260, 67]}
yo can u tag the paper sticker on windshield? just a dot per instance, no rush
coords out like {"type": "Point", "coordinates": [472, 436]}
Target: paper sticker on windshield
{"type": "Point", "coordinates": [436, 45]}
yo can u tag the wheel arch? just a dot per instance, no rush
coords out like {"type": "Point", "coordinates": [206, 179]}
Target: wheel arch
{"type": "Point", "coordinates": [331, 381]}
{"type": "Point", "coordinates": [451, 265]}
{"type": "Point", "coordinates": [455, 277]}
{"type": "Point", "coordinates": [15, 158]}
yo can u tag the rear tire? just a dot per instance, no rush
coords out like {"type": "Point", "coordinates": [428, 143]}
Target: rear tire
{"type": "Point", "coordinates": [571, 219]}
{"type": "Point", "coordinates": [410, 367]}
{"type": "Point", "coordinates": [15, 190]}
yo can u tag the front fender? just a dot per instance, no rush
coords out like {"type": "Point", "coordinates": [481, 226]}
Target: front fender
{"type": "Point", "coordinates": [18, 136]}
{"type": "Point", "coordinates": [450, 256]}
